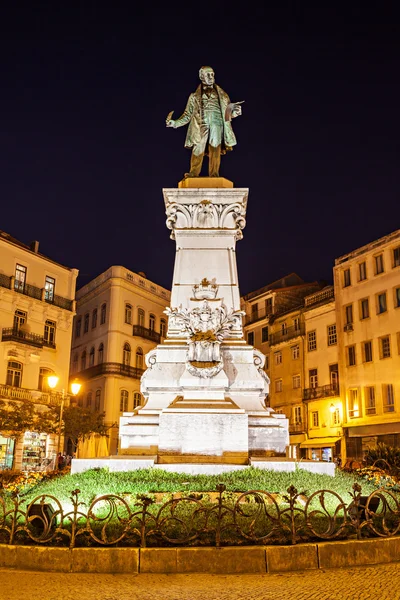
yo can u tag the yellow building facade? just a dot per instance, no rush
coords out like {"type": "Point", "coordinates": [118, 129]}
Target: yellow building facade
{"type": "Point", "coordinates": [36, 315]}
{"type": "Point", "coordinates": [119, 319]}
{"type": "Point", "coordinates": [367, 289]}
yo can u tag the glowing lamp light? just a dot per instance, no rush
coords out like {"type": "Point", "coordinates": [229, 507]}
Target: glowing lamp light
{"type": "Point", "coordinates": [52, 380]}
{"type": "Point", "coordinates": [332, 408]}
{"type": "Point", "coordinates": [75, 387]}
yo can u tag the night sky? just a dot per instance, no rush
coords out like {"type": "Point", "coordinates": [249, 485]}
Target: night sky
{"type": "Point", "coordinates": [84, 152]}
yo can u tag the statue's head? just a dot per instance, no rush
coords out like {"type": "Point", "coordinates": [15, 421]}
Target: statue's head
{"type": "Point", "coordinates": [207, 75]}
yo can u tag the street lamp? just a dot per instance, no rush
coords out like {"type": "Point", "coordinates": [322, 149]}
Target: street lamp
{"type": "Point", "coordinates": [53, 380]}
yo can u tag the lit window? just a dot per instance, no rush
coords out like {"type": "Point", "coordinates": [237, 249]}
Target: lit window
{"type": "Point", "coordinates": [296, 381]}
{"type": "Point", "coordinates": [49, 286]}
{"type": "Point", "coordinates": [388, 397]}
{"type": "Point", "coordinates": [278, 385]}
{"type": "Point", "coordinates": [378, 264]}
{"type": "Point", "coordinates": [278, 358]}
{"type": "Point", "coordinates": [250, 338]}
{"type": "Point", "coordinates": [152, 322]}
{"type": "Point", "coordinates": [364, 308]}
{"type": "Point", "coordinates": [351, 356]}
{"type": "Point", "coordinates": [354, 408]}
{"type": "Point", "coordinates": [94, 318]}
{"type": "Point", "coordinates": [385, 347]}
{"type": "Point", "coordinates": [44, 375]}
{"type": "Point", "coordinates": [332, 335]}
{"type": "Point", "coordinates": [49, 337]}
{"type": "Point", "coordinates": [381, 304]}
{"type": "Point", "coordinates": [312, 340]}
{"type": "Point", "coordinates": [335, 419]}
{"type": "Point", "coordinates": [265, 333]}
{"type": "Point", "coordinates": [284, 329]}
{"type": "Point", "coordinates": [123, 403]}
{"type": "Point", "coordinates": [128, 314]}
{"type": "Point", "coordinates": [297, 415]}
{"type": "Point", "coordinates": [20, 317]}
{"type": "Point", "coordinates": [370, 407]}
{"type": "Point", "coordinates": [362, 271]}
{"type": "Point", "coordinates": [296, 323]}
{"type": "Point", "coordinates": [367, 349]}
{"type": "Point", "coordinates": [86, 323]}
{"type": "Point", "coordinates": [315, 418]}
{"type": "Point", "coordinates": [20, 278]}
{"type": "Point", "coordinates": [346, 278]}
{"type": "Point", "coordinates": [295, 352]}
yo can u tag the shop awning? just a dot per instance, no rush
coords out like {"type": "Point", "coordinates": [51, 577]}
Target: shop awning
{"type": "Point", "coordinates": [320, 442]}
{"type": "Point", "coordinates": [297, 439]}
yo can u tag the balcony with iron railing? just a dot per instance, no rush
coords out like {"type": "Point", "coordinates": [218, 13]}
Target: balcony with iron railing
{"type": "Point", "coordinates": [111, 368]}
{"type": "Point", "coordinates": [296, 427]}
{"type": "Point", "coordinates": [257, 315]}
{"type": "Point", "coordinates": [321, 391]}
{"type": "Point", "coordinates": [148, 334]}
{"type": "Point", "coordinates": [9, 392]}
{"type": "Point", "coordinates": [286, 334]}
{"type": "Point", "coordinates": [15, 334]}
{"type": "Point", "coordinates": [32, 291]}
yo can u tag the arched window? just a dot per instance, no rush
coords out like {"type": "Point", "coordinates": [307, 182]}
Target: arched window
{"type": "Point", "coordinates": [163, 328]}
{"type": "Point", "coordinates": [94, 318]}
{"type": "Point", "coordinates": [140, 317]}
{"type": "Point", "coordinates": [100, 355]}
{"type": "Point", "coordinates": [83, 360]}
{"type": "Point", "coordinates": [44, 373]}
{"type": "Point", "coordinates": [89, 400]}
{"type": "Point", "coordinates": [20, 317]}
{"type": "Point", "coordinates": [126, 355]}
{"type": "Point", "coordinates": [139, 358]}
{"type": "Point", "coordinates": [137, 399]}
{"type": "Point", "coordinates": [75, 363]}
{"type": "Point", "coordinates": [14, 374]}
{"type": "Point", "coordinates": [123, 403]}
{"type": "Point", "coordinates": [152, 322]}
{"type": "Point", "coordinates": [97, 402]}
{"type": "Point", "coordinates": [91, 357]}
{"type": "Point", "coordinates": [128, 314]}
{"type": "Point", "coordinates": [103, 313]}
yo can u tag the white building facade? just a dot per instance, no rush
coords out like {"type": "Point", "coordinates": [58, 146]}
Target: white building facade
{"type": "Point", "coordinates": [36, 315]}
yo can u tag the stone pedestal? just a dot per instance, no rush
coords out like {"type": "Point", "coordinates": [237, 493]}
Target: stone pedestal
{"type": "Point", "coordinates": [205, 387]}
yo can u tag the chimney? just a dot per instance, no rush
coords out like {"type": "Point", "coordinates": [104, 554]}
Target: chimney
{"type": "Point", "coordinates": [34, 246]}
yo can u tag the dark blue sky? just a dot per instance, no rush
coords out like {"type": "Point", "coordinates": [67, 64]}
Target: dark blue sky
{"type": "Point", "coordinates": [84, 152]}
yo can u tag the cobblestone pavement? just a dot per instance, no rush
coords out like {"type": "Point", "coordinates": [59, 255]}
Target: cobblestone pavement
{"type": "Point", "coordinates": [380, 582]}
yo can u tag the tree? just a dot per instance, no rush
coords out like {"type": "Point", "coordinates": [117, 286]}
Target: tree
{"type": "Point", "coordinates": [77, 422]}
{"type": "Point", "coordinates": [15, 419]}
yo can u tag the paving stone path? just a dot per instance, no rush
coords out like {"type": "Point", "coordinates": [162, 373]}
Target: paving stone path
{"type": "Point", "coordinates": [379, 582]}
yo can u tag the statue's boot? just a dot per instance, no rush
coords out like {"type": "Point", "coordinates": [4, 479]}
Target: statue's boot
{"type": "Point", "coordinates": [196, 162]}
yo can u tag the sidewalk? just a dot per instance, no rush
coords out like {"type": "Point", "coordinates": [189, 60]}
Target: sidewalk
{"type": "Point", "coordinates": [382, 581]}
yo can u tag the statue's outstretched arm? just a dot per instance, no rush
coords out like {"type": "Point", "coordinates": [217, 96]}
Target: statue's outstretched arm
{"type": "Point", "coordinates": [186, 115]}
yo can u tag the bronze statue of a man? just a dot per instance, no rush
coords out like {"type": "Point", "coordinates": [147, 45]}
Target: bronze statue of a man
{"type": "Point", "coordinates": [208, 112]}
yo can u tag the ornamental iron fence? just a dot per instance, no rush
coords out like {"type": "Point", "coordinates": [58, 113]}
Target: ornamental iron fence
{"type": "Point", "coordinates": [219, 519]}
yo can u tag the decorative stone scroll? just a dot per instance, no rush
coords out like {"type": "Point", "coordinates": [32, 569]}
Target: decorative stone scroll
{"type": "Point", "coordinates": [206, 215]}
{"type": "Point", "coordinates": [205, 328]}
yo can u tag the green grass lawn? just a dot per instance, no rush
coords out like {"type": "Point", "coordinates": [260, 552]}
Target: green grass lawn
{"type": "Point", "coordinates": [98, 482]}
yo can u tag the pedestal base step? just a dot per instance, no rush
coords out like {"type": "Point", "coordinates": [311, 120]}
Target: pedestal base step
{"type": "Point", "coordinates": [228, 458]}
